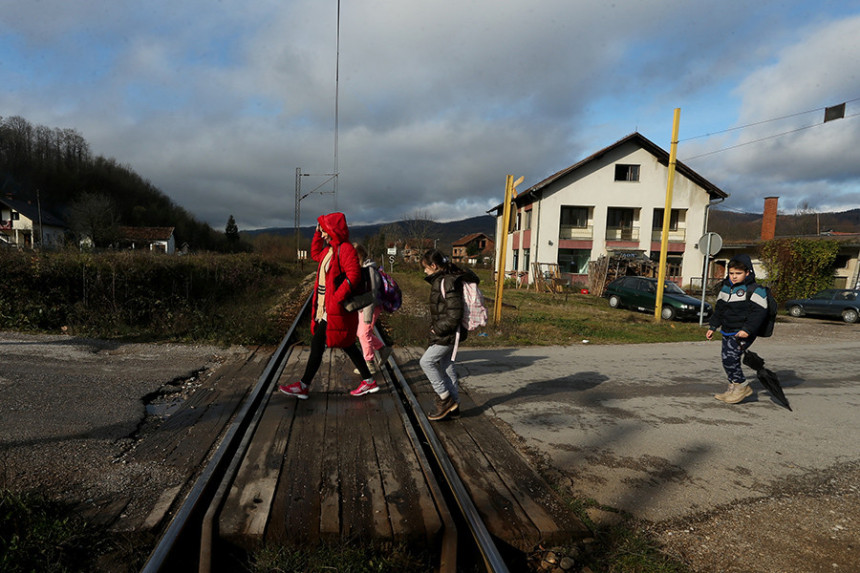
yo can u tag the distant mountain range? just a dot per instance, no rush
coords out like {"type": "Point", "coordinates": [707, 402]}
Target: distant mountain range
{"type": "Point", "coordinates": [731, 226]}
{"type": "Point", "coordinates": [444, 233]}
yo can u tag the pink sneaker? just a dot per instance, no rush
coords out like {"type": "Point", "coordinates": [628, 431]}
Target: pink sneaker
{"type": "Point", "coordinates": [366, 387]}
{"type": "Point", "coordinates": [297, 389]}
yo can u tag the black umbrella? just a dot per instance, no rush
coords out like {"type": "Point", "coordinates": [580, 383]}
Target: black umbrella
{"type": "Point", "coordinates": [767, 378]}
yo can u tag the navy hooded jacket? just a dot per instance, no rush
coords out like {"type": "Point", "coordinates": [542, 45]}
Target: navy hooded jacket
{"type": "Point", "coordinates": [735, 310]}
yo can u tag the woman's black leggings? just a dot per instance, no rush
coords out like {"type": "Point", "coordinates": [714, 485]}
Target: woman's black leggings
{"type": "Point", "coordinates": [318, 348]}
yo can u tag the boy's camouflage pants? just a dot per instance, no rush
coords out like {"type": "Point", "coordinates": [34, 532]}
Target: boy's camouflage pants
{"type": "Point", "coordinates": [731, 354]}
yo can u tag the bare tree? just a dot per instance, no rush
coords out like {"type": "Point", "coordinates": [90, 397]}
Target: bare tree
{"type": "Point", "coordinates": [94, 216]}
{"type": "Point", "coordinates": [417, 227]}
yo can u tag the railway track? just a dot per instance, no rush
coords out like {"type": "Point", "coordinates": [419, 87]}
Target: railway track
{"type": "Point", "coordinates": [190, 539]}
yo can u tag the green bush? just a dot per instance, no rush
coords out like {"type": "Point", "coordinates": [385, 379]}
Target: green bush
{"type": "Point", "coordinates": [132, 294]}
{"type": "Point", "coordinates": [798, 268]}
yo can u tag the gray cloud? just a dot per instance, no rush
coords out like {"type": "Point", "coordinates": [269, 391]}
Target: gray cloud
{"type": "Point", "coordinates": [218, 104]}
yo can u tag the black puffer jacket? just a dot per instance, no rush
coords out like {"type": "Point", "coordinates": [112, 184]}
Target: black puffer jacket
{"type": "Point", "coordinates": [446, 304]}
{"type": "Point", "coordinates": [736, 308]}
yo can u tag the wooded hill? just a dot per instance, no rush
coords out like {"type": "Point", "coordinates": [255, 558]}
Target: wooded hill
{"type": "Point", "coordinates": [733, 226]}
{"type": "Point", "coordinates": [57, 163]}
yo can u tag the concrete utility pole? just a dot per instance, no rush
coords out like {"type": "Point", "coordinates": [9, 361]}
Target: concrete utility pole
{"type": "Point", "coordinates": [667, 216]}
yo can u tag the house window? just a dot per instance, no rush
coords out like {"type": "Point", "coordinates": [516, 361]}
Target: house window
{"type": "Point", "coordinates": [528, 219]}
{"type": "Point", "coordinates": [620, 224]}
{"type": "Point", "coordinates": [573, 261]}
{"type": "Point", "coordinates": [673, 219]}
{"type": "Point", "coordinates": [526, 258]}
{"type": "Point", "coordinates": [576, 217]}
{"type": "Point", "coordinates": [619, 218]}
{"type": "Point", "coordinates": [15, 216]}
{"type": "Point", "coordinates": [516, 260]}
{"type": "Point", "coordinates": [625, 172]}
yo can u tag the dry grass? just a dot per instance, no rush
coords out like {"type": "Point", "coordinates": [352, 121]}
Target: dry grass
{"type": "Point", "coordinates": [529, 318]}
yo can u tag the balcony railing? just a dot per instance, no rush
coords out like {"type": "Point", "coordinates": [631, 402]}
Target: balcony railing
{"type": "Point", "coordinates": [576, 233]}
{"type": "Point", "coordinates": [676, 236]}
{"type": "Point", "coordinates": [622, 233]}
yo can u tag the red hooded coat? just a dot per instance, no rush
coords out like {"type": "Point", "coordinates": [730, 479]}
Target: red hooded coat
{"type": "Point", "coordinates": [342, 325]}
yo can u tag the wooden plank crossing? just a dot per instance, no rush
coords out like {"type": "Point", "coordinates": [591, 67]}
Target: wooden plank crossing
{"type": "Point", "coordinates": [331, 468]}
{"type": "Point", "coordinates": [517, 505]}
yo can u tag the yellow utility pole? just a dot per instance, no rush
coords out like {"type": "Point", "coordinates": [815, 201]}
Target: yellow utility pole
{"type": "Point", "coordinates": [510, 193]}
{"type": "Point", "coordinates": [667, 216]}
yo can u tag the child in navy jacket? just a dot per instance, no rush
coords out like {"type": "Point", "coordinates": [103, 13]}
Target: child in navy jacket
{"type": "Point", "coordinates": [739, 315]}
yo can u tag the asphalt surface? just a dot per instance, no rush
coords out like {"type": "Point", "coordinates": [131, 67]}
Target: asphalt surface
{"type": "Point", "coordinates": [636, 427]}
{"type": "Point", "coordinates": [70, 407]}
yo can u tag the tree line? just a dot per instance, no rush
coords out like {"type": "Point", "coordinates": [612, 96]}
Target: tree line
{"type": "Point", "coordinates": [93, 194]}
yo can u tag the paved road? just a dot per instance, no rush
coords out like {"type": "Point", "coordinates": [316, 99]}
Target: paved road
{"type": "Point", "coordinates": [69, 408]}
{"type": "Point", "coordinates": [637, 427]}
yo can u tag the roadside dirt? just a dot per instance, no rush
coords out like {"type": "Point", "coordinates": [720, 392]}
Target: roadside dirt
{"type": "Point", "coordinates": [808, 525]}
{"type": "Point", "coordinates": [814, 518]}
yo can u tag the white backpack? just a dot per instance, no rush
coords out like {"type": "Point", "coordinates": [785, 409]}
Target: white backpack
{"type": "Point", "coordinates": [474, 311]}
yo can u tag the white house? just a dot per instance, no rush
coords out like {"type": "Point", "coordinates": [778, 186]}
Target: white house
{"type": "Point", "coordinates": [611, 203]}
{"type": "Point", "coordinates": [25, 224]}
{"type": "Point", "coordinates": [156, 239]}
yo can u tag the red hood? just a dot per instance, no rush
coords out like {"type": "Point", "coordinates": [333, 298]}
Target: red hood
{"type": "Point", "coordinates": [334, 224]}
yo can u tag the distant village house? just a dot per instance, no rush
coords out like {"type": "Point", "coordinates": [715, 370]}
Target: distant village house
{"type": "Point", "coordinates": [24, 224]}
{"type": "Point", "coordinates": [846, 271]}
{"type": "Point", "coordinates": [156, 239]}
{"type": "Point", "coordinates": [473, 249]}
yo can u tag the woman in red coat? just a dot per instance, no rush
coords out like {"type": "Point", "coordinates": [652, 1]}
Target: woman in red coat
{"type": "Point", "coordinates": [332, 326]}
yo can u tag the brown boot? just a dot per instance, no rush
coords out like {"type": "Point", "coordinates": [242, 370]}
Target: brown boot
{"type": "Point", "coordinates": [444, 407]}
{"type": "Point", "coordinates": [722, 397]}
{"type": "Point", "coordinates": [738, 393]}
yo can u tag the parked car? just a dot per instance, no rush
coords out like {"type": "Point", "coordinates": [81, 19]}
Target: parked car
{"type": "Point", "coordinates": [640, 293]}
{"type": "Point", "coordinates": [833, 302]}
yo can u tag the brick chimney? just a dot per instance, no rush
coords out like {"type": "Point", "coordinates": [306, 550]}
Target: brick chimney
{"type": "Point", "coordinates": [768, 220]}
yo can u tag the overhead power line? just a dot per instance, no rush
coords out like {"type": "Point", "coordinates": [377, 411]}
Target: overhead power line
{"type": "Point", "coordinates": [831, 113]}
{"type": "Point", "coordinates": [763, 122]}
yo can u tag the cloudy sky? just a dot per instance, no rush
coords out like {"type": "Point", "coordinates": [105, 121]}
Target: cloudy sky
{"type": "Point", "coordinates": [218, 102]}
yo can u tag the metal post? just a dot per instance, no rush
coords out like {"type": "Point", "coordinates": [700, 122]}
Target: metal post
{"type": "Point", "coordinates": [705, 273]}
{"type": "Point", "coordinates": [298, 206]}
{"type": "Point", "coordinates": [667, 215]}
{"type": "Point", "coordinates": [500, 273]}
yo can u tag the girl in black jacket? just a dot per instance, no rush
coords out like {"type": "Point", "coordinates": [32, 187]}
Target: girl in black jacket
{"type": "Point", "coordinates": [446, 316]}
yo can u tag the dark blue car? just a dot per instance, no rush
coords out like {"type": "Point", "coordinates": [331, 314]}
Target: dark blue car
{"type": "Point", "coordinates": [833, 302]}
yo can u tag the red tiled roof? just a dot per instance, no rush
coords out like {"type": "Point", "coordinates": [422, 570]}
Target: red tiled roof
{"type": "Point", "coordinates": [146, 233]}
{"type": "Point", "coordinates": [467, 239]}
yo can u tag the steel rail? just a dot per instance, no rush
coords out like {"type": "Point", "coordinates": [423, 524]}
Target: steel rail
{"type": "Point", "coordinates": [448, 553]}
{"type": "Point", "coordinates": [490, 553]}
{"type": "Point", "coordinates": [201, 492]}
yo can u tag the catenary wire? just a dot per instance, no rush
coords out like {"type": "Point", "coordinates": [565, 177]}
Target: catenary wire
{"type": "Point", "coordinates": [762, 138]}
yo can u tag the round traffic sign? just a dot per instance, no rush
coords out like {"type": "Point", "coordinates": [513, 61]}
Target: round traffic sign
{"type": "Point", "coordinates": [710, 243]}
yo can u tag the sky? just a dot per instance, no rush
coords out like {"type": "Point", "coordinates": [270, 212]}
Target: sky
{"type": "Point", "coordinates": [423, 107]}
